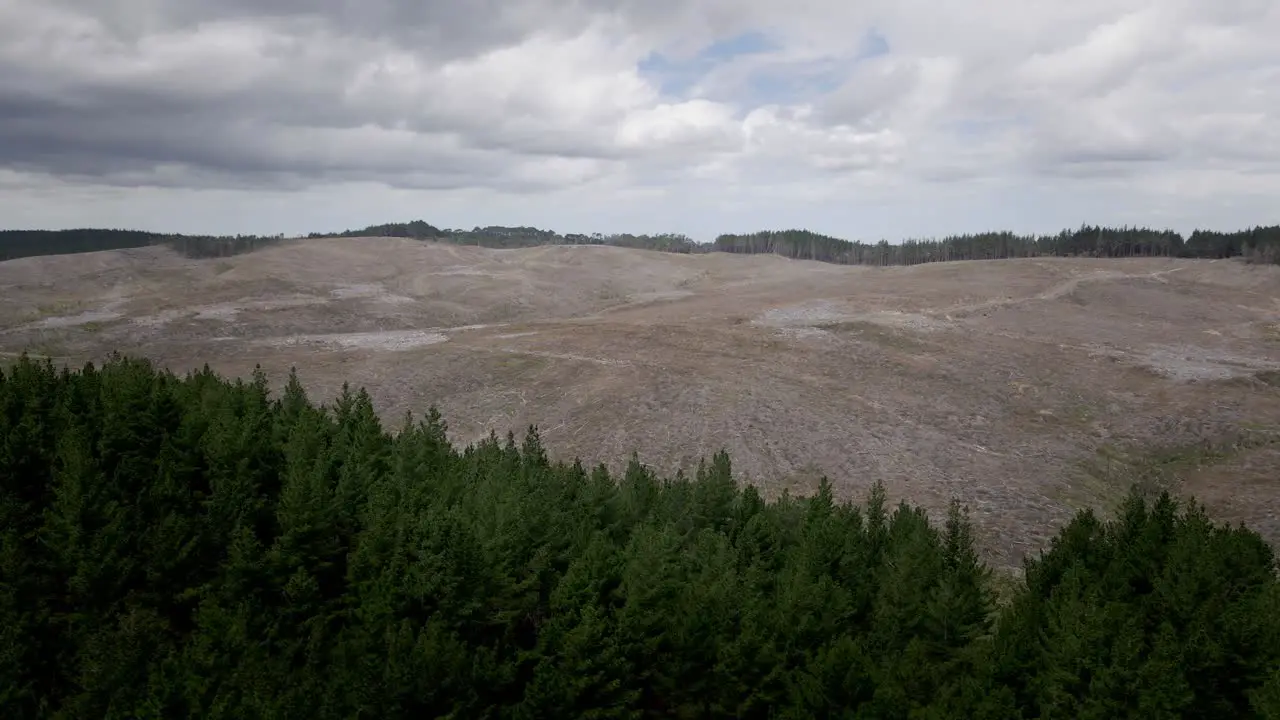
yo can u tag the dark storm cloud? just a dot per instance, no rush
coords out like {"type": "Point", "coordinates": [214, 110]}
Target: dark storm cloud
{"type": "Point", "coordinates": [437, 28]}
{"type": "Point", "coordinates": [105, 90]}
{"type": "Point", "coordinates": [125, 144]}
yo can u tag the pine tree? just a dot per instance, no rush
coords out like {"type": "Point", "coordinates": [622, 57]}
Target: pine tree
{"type": "Point", "coordinates": [191, 547]}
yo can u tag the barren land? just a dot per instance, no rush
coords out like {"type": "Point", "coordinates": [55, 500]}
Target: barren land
{"type": "Point", "coordinates": [1017, 386]}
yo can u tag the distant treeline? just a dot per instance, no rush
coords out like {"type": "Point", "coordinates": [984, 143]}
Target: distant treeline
{"type": "Point", "coordinates": [497, 236]}
{"type": "Point", "coordinates": [209, 246]}
{"type": "Point", "coordinates": [1259, 244]}
{"type": "Point", "coordinates": [28, 243]}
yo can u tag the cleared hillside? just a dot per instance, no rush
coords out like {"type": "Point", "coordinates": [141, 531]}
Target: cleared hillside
{"type": "Point", "coordinates": [995, 382]}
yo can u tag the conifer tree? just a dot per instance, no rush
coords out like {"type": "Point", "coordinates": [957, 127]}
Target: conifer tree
{"type": "Point", "coordinates": [174, 547]}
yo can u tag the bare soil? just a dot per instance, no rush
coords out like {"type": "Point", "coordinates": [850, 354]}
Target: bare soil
{"type": "Point", "coordinates": [993, 382]}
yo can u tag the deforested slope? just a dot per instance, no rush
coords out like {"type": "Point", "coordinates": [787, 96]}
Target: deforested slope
{"type": "Point", "coordinates": [1013, 385]}
{"type": "Point", "coordinates": [192, 547]}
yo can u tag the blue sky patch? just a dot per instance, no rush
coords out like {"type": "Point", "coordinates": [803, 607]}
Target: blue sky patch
{"type": "Point", "coordinates": [748, 43]}
{"type": "Point", "coordinates": [673, 78]}
{"type": "Point", "coordinates": [676, 77]}
{"type": "Point", "coordinates": [796, 82]}
{"type": "Point", "coordinates": [782, 84]}
{"type": "Point", "coordinates": [873, 45]}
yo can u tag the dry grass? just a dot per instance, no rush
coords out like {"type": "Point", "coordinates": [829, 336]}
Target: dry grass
{"type": "Point", "coordinates": [995, 382]}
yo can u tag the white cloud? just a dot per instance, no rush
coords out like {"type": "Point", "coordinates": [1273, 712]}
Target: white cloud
{"type": "Point", "coordinates": [287, 116]}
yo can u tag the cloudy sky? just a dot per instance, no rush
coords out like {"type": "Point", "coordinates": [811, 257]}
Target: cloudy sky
{"type": "Point", "coordinates": [867, 120]}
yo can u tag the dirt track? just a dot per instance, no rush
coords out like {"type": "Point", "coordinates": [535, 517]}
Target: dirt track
{"type": "Point", "coordinates": [989, 381]}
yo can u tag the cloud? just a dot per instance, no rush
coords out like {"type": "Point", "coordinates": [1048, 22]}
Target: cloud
{"type": "Point", "coordinates": [855, 119]}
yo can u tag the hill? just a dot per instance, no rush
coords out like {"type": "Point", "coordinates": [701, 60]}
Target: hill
{"type": "Point", "coordinates": [1020, 387]}
{"type": "Point", "coordinates": [192, 547]}
{"type": "Point", "coordinates": [1258, 245]}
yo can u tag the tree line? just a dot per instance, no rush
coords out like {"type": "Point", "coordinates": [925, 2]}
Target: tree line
{"type": "Point", "coordinates": [1259, 244]}
{"type": "Point", "coordinates": [29, 243]}
{"type": "Point", "coordinates": [216, 246]}
{"type": "Point", "coordinates": [192, 546]}
{"type": "Point", "coordinates": [498, 236]}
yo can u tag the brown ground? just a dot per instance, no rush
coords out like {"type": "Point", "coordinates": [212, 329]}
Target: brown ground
{"type": "Point", "coordinates": [993, 381]}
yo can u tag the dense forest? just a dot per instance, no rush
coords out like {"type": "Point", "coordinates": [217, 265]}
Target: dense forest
{"type": "Point", "coordinates": [212, 246]}
{"type": "Point", "coordinates": [493, 236]}
{"type": "Point", "coordinates": [497, 236]}
{"type": "Point", "coordinates": [177, 547]}
{"type": "Point", "coordinates": [28, 243]}
{"type": "Point", "coordinates": [1260, 244]}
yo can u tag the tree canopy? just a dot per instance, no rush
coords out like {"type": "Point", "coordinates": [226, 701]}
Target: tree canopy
{"type": "Point", "coordinates": [194, 546]}
{"type": "Point", "coordinates": [1261, 244]}
{"type": "Point", "coordinates": [28, 243]}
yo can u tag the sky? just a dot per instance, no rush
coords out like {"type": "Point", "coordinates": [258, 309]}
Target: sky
{"type": "Point", "coordinates": [878, 119]}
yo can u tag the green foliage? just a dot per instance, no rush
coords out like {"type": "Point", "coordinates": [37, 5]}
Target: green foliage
{"type": "Point", "coordinates": [217, 246]}
{"type": "Point", "coordinates": [1260, 244]}
{"type": "Point", "coordinates": [26, 243]}
{"type": "Point", "coordinates": [497, 236]}
{"type": "Point", "coordinates": [175, 547]}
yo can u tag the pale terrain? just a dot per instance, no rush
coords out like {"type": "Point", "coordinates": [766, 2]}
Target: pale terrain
{"type": "Point", "coordinates": [1007, 384]}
